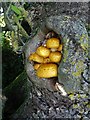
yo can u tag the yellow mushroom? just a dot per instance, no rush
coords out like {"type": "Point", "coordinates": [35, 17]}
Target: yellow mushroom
{"type": "Point", "coordinates": [43, 51]}
{"type": "Point", "coordinates": [55, 57]}
{"type": "Point", "coordinates": [46, 56]}
{"type": "Point", "coordinates": [52, 43]}
{"type": "Point", "coordinates": [36, 58]}
{"type": "Point", "coordinates": [47, 70]}
{"type": "Point", "coordinates": [36, 66]}
{"type": "Point", "coordinates": [46, 60]}
{"type": "Point", "coordinates": [60, 47]}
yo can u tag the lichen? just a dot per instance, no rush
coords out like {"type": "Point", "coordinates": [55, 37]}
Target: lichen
{"type": "Point", "coordinates": [75, 106]}
{"type": "Point", "coordinates": [65, 50]}
{"type": "Point", "coordinates": [88, 106]}
{"type": "Point", "coordinates": [84, 41]}
{"type": "Point", "coordinates": [79, 69]}
{"type": "Point", "coordinates": [65, 55]}
{"type": "Point", "coordinates": [71, 96]}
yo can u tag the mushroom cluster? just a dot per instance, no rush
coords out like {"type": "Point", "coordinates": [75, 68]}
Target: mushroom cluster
{"type": "Point", "coordinates": [47, 56]}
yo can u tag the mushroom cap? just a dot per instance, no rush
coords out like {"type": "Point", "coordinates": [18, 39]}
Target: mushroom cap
{"type": "Point", "coordinates": [47, 70]}
{"type": "Point", "coordinates": [43, 51]}
{"type": "Point", "coordinates": [52, 43]}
